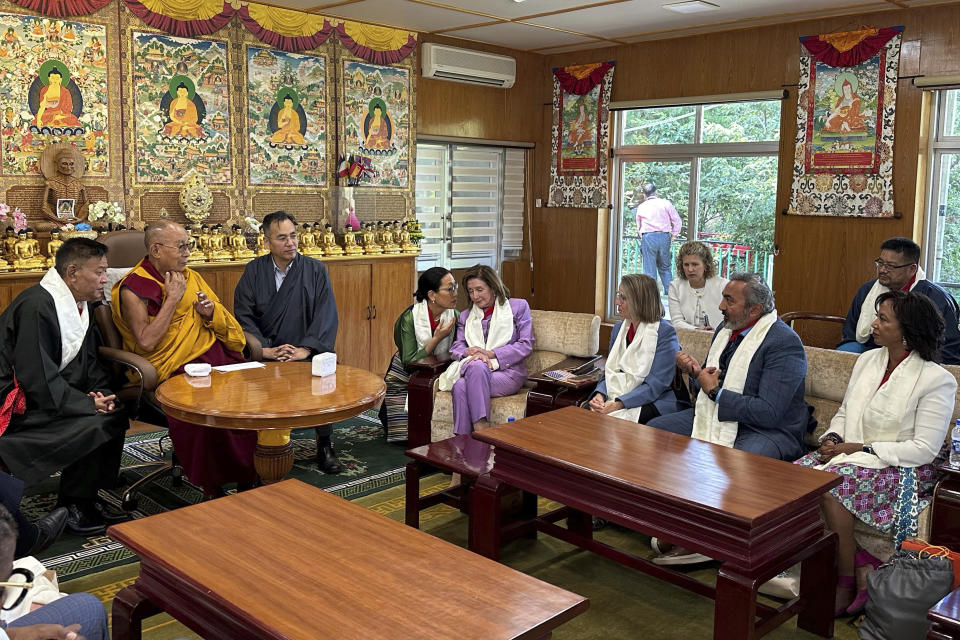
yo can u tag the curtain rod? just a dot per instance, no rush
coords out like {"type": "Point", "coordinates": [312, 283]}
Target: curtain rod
{"type": "Point", "coordinates": [936, 81]}
{"type": "Point", "coordinates": [621, 105]}
{"type": "Point", "coordinates": [475, 141]}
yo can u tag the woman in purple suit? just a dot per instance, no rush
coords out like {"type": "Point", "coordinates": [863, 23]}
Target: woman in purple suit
{"type": "Point", "coordinates": [494, 337]}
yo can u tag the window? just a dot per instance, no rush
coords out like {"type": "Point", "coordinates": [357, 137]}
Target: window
{"type": "Point", "coordinates": [717, 164]}
{"type": "Point", "coordinates": [470, 204]}
{"type": "Point", "coordinates": [942, 258]}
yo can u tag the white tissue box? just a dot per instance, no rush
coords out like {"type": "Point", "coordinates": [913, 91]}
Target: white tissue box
{"type": "Point", "coordinates": [324, 364]}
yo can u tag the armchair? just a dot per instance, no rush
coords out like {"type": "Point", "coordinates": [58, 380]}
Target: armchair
{"type": "Point", "coordinates": [557, 335]}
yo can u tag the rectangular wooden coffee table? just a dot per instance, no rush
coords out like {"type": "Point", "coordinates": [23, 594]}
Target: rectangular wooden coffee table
{"type": "Point", "coordinates": [289, 561]}
{"type": "Point", "coordinates": [756, 515]}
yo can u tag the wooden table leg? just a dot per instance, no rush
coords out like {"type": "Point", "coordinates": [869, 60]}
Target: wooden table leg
{"type": "Point", "coordinates": [818, 587]}
{"type": "Point", "coordinates": [485, 517]}
{"type": "Point", "coordinates": [412, 495]}
{"type": "Point", "coordinates": [273, 457]}
{"type": "Point", "coordinates": [581, 524]}
{"type": "Point", "coordinates": [130, 607]}
{"type": "Point", "coordinates": [735, 608]}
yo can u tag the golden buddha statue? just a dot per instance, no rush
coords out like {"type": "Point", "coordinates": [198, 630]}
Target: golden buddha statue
{"type": "Point", "coordinates": [25, 254]}
{"type": "Point", "coordinates": [261, 249]}
{"type": "Point", "coordinates": [350, 246]}
{"type": "Point", "coordinates": [406, 242]}
{"type": "Point", "coordinates": [386, 238]}
{"type": "Point", "coordinates": [329, 242]}
{"type": "Point", "coordinates": [217, 252]}
{"type": "Point", "coordinates": [203, 241]}
{"type": "Point", "coordinates": [370, 245]}
{"type": "Point", "coordinates": [53, 246]}
{"type": "Point", "coordinates": [196, 254]}
{"type": "Point", "coordinates": [8, 242]}
{"type": "Point", "coordinates": [395, 228]}
{"type": "Point", "coordinates": [308, 241]}
{"type": "Point", "coordinates": [62, 165]}
{"type": "Point", "coordinates": [238, 245]}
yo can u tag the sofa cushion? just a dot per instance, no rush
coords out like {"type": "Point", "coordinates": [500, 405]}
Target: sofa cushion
{"type": "Point", "coordinates": [542, 360]}
{"type": "Point", "coordinates": [828, 373]}
{"type": "Point", "coordinates": [574, 334]}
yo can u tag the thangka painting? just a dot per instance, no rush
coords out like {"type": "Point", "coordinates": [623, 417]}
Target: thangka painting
{"type": "Point", "coordinates": [581, 134]}
{"type": "Point", "coordinates": [286, 112]}
{"type": "Point", "coordinates": [376, 120]}
{"type": "Point", "coordinates": [53, 88]}
{"type": "Point", "coordinates": [181, 109]}
{"type": "Point", "coordinates": [843, 164]}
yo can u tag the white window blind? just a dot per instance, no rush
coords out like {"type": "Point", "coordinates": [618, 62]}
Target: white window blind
{"type": "Point", "coordinates": [475, 201]}
{"type": "Point", "coordinates": [430, 197]}
{"type": "Point", "coordinates": [511, 230]}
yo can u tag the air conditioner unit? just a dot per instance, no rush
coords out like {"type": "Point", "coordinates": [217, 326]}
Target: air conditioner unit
{"type": "Point", "coordinates": [465, 65]}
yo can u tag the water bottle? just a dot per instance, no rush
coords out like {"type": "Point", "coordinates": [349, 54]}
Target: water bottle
{"type": "Point", "coordinates": [955, 446]}
{"type": "Point", "coordinates": [511, 419]}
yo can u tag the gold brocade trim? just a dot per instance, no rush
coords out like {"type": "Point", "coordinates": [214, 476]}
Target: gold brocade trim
{"type": "Point", "coordinates": [286, 22]}
{"type": "Point", "coordinates": [185, 9]}
{"type": "Point", "coordinates": [580, 71]}
{"type": "Point", "coordinates": [846, 40]}
{"type": "Point", "coordinates": [376, 37]}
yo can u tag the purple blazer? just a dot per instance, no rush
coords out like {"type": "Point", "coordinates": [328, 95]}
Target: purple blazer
{"type": "Point", "coordinates": [511, 355]}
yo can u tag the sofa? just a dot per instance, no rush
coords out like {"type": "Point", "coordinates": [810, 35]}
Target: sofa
{"type": "Point", "coordinates": [828, 373]}
{"type": "Point", "coordinates": [557, 335]}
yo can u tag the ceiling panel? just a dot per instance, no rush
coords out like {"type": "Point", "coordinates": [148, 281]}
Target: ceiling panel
{"type": "Point", "coordinates": [511, 9]}
{"type": "Point", "coordinates": [517, 36]}
{"type": "Point", "coordinates": [407, 15]}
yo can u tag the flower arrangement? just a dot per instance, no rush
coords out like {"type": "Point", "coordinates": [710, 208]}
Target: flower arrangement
{"type": "Point", "coordinates": [19, 219]}
{"type": "Point", "coordinates": [109, 211]}
{"type": "Point", "coordinates": [252, 223]}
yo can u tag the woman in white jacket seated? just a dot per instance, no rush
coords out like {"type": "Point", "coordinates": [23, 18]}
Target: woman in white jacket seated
{"type": "Point", "coordinates": [887, 434]}
{"type": "Point", "coordinates": [696, 292]}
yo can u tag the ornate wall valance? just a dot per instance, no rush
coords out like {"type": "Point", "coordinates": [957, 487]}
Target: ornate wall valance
{"type": "Point", "coordinates": [379, 45]}
{"type": "Point", "coordinates": [849, 48]}
{"type": "Point", "coordinates": [285, 28]}
{"type": "Point", "coordinates": [186, 18]}
{"type": "Point", "coordinates": [62, 8]}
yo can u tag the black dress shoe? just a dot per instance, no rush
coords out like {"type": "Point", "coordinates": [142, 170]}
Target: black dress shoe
{"type": "Point", "coordinates": [327, 460]}
{"type": "Point", "coordinates": [110, 514]}
{"type": "Point", "coordinates": [84, 520]}
{"type": "Point", "coordinates": [48, 529]}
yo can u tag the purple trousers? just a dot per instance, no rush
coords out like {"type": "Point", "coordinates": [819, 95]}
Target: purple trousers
{"type": "Point", "coordinates": [472, 392]}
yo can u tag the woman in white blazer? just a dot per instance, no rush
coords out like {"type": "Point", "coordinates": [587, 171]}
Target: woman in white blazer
{"type": "Point", "coordinates": [887, 435]}
{"type": "Point", "coordinates": [696, 292]}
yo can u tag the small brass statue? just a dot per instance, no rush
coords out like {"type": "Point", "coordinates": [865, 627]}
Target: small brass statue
{"type": "Point", "coordinates": [308, 242]}
{"type": "Point", "coordinates": [62, 165]}
{"type": "Point", "coordinates": [25, 252]}
{"type": "Point", "coordinates": [238, 245]}
{"type": "Point", "coordinates": [53, 246]}
{"type": "Point", "coordinates": [350, 246]}
{"type": "Point", "coordinates": [370, 246]}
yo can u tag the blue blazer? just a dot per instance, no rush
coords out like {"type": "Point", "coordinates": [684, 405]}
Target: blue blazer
{"type": "Point", "coordinates": [771, 405]}
{"type": "Point", "coordinates": [656, 387]}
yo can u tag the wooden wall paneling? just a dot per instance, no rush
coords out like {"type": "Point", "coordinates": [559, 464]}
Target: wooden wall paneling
{"type": "Point", "coordinates": [351, 289]}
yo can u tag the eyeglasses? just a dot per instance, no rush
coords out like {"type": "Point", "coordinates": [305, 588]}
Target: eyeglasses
{"type": "Point", "coordinates": [620, 297]}
{"type": "Point", "coordinates": [887, 266]}
{"type": "Point", "coordinates": [18, 585]}
{"type": "Point", "coordinates": [452, 288]}
{"type": "Point", "coordinates": [183, 249]}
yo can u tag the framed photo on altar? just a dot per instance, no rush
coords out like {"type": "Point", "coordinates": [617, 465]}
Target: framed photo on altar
{"type": "Point", "coordinates": [65, 208]}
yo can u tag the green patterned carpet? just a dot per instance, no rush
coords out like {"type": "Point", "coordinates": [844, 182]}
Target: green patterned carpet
{"type": "Point", "coordinates": [370, 465]}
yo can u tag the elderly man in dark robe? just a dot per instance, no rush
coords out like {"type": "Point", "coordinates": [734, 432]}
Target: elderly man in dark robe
{"type": "Point", "coordinates": [58, 411]}
{"type": "Point", "coordinates": [286, 301]}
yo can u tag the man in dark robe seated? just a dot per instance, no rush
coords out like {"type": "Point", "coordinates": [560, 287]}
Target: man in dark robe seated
{"type": "Point", "coordinates": [171, 317]}
{"type": "Point", "coordinates": [286, 301]}
{"type": "Point", "coordinates": [58, 412]}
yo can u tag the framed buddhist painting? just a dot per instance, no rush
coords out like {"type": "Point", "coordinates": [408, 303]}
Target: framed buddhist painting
{"type": "Point", "coordinates": [286, 118]}
{"type": "Point", "coordinates": [54, 88]}
{"type": "Point", "coordinates": [181, 109]}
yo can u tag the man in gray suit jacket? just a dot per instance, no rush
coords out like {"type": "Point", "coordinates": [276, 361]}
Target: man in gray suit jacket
{"type": "Point", "coordinates": [770, 412]}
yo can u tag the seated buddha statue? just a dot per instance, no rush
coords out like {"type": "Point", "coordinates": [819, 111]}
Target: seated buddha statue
{"type": "Point", "coordinates": [328, 242]}
{"type": "Point", "coordinates": [238, 244]}
{"type": "Point", "coordinates": [53, 246]}
{"type": "Point", "coordinates": [196, 253]}
{"type": "Point", "coordinates": [386, 238]}
{"type": "Point", "coordinates": [370, 245]}
{"type": "Point", "coordinates": [62, 166]}
{"type": "Point", "coordinates": [218, 252]}
{"type": "Point", "coordinates": [350, 246]}
{"type": "Point", "coordinates": [261, 248]}
{"type": "Point", "coordinates": [8, 242]}
{"type": "Point", "coordinates": [308, 242]}
{"type": "Point", "coordinates": [25, 254]}
{"type": "Point", "coordinates": [406, 243]}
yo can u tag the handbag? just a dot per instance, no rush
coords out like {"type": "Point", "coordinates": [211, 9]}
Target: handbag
{"type": "Point", "coordinates": [934, 550]}
{"type": "Point", "coordinates": [901, 591]}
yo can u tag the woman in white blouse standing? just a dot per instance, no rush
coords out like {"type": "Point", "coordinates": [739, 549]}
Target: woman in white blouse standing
{"type": "Point", "coordinates": [696, 292]}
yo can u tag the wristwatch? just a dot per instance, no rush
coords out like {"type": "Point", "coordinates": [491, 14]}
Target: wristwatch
{"type": "Point", "coordinates": [712, 394]}
{"type": "Point", "coordinates": [867, 449]}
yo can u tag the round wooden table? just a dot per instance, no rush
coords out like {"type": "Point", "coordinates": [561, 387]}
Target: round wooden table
{"type": "Point", "coordinates": [271, 400]}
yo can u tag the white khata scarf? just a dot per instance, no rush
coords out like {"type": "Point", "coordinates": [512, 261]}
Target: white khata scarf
{"type": "Point", "coordinates": [868, 310]}
{"type": "Point", "coordinates": [706, 425]}
{"type": "Point", "coordinates": [872, 414]}
{"type": "Point", "coordinates": [423, 332]}
{"type": "Point", "coordinates": [628, 365]}
{"type": "Point", "coordinates": [73, 323]}
{"type": "Point", "coordinates": [499, 333]}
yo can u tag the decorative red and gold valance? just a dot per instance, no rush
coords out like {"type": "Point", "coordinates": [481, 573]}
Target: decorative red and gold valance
{"type": "Point", "coordinates": [188, 18]}
{"type": "Point", "coordinates": [62, 8]}
{"type": "Point", "coordinates": [579, 79]}
{"type": "Point", "coordinates": [849, 48]}
{"type": "Point", "coordinates": [379, 45]}
{"type": "Point", "coordinates": [285, 28]}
